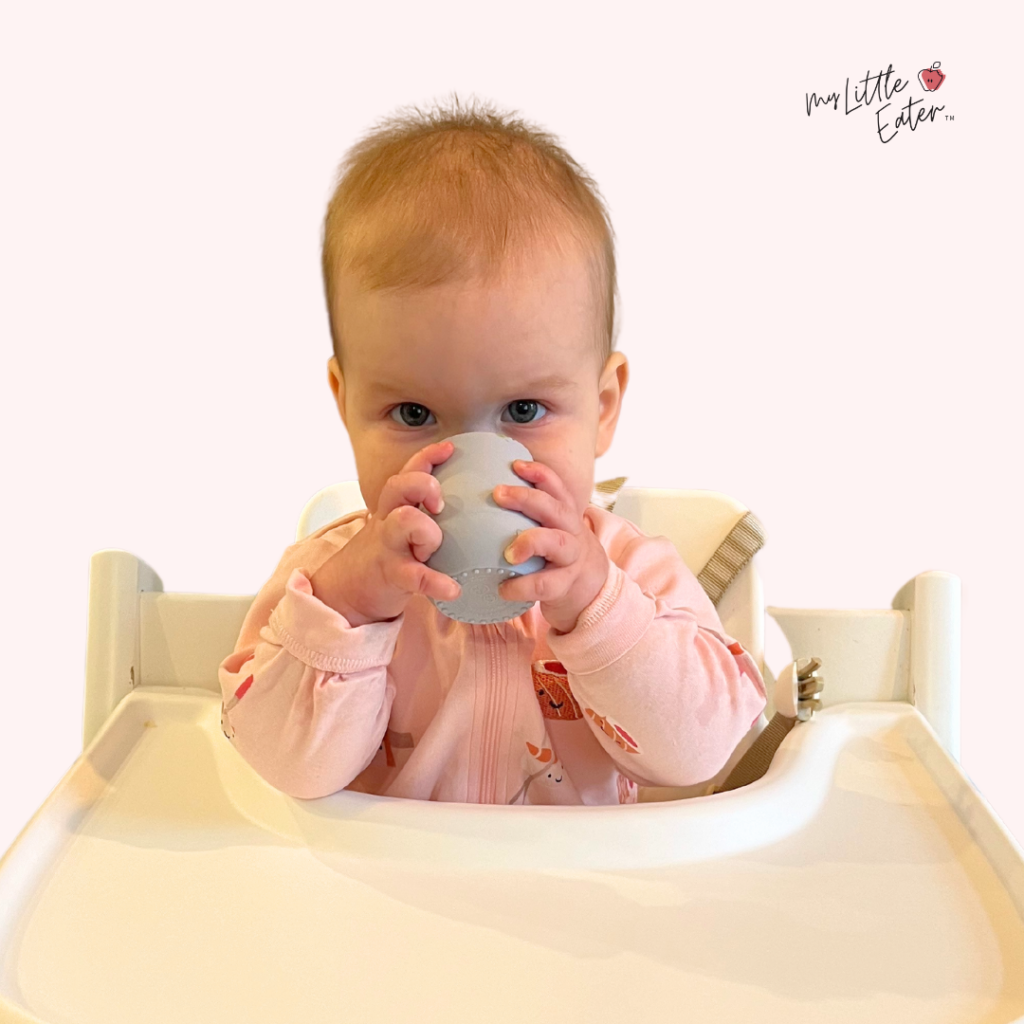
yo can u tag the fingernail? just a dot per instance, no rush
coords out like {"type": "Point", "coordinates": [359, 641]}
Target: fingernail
{"type": "Point", "coordinates": [440, 504]}
{"type": "Point", "coordinates": [509, 556]}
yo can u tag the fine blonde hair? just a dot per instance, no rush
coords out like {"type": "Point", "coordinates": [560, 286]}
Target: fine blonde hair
{"type": "Point", "coordinates": [458, 194]}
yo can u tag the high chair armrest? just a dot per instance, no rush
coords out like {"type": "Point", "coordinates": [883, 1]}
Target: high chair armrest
{"type": "Point", "coordinates": [113, 663]}
{"type": "Point", "coordinates": [910, 652]}
{"type": "Point", "coordinates": [865, 653]}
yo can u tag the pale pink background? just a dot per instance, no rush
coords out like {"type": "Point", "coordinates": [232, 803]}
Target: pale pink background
{"type": "Point", "coordinates": [823, 326]}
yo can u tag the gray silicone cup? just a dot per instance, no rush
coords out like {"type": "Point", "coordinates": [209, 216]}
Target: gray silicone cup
{"type": "Point", "coordinates": [477, 530]}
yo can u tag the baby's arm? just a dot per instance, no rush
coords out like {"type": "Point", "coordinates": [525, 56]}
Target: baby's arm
{"type": "Point", "coordinates": [667, 693]}
{"type": "Point", "coordinates": [309, 706]}
{"type": "Point", "coordinates": [306, 695]}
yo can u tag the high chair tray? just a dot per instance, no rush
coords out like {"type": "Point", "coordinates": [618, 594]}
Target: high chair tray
{"type": "Point", "coordinates": [862, 879]}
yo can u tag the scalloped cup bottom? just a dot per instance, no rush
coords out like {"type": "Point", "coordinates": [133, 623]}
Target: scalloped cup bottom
{"type": "Point", "coordinates": [480, 603]}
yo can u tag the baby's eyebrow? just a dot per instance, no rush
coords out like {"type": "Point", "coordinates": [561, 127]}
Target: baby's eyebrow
{"type": "Point", "coordinates": [554, 382]}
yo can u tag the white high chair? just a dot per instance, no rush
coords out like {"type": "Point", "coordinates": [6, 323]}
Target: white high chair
{"type": "Point", "coordinates": [863, 877]}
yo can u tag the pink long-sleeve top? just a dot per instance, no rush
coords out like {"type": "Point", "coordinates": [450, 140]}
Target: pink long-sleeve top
{"type": "Point", "coordinates": [646, 689]}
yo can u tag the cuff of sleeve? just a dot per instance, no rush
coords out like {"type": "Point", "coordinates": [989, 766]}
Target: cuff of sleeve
{"type": "Point", "coordinates": [323, 638]}
{"type": "Point", "coordinates": [607, 628]}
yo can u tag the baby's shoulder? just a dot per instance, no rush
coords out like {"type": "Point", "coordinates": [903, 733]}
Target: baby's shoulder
{"type": "Point", "coordinates": [312, 551]}
{"type": "Point", "coordinates": [614, 530]}
{"type": "Point", "coordinates": [653, 561]}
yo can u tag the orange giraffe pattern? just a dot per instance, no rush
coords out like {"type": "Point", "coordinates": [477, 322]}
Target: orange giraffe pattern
{"type": "Point", "coordinates": [614, 732]}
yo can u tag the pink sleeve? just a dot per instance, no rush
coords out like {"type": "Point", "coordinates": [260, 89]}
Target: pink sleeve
{"type": "Point", "coordinates": [667, 693]}
{"type": "Point", "coordinates": [306, 695]}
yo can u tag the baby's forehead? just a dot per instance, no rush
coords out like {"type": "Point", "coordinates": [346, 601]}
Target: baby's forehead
{"type": "Point", "coordinates": [553, 331]}
{"type": "Point", "coordinates": [441, 374]}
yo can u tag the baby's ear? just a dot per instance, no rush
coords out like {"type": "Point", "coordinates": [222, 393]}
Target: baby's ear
{"type": "Point", "coordinates": [611, 388]}
{"type": "Point", "coordinates": [337, 383]}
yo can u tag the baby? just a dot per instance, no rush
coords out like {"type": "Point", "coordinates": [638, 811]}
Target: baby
{"type": "Point", "coordinates": [469, 272]}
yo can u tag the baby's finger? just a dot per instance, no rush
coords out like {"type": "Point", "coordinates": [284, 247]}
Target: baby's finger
{"type": "Point", "coordinates": [407, 528]}
{"type": "Point", "coordinates": [543, 478]}
{"type": "Point", "coordinates": [538, 505]}
{"type": "Point", "coordinates": [443, 587]}
{"type": "Point", "coordinates": [545, 585]}
{"type": "Point", "coordinates": [411, 489]}
{"type": "Point", "coordinates": [418, 579]}
{"type": "Point", "coordinates": [427, 458]}
{"type": "Point", "coordinates": [557, 546]}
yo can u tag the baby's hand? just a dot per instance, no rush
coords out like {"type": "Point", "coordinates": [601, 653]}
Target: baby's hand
{"type": "Point", "coordinates": [564, 538]}
{"type": "Point", "coordinates": [372, 578]}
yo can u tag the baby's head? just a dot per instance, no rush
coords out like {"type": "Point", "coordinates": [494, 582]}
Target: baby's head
{"type": "Point", "coordinates": [469, 270]}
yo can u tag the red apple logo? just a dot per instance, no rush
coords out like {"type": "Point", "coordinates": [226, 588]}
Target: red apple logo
{"type": "Point", "coordinates": [931, 78]}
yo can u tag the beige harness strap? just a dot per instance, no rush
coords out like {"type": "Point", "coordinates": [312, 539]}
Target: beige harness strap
{"type": "Point", "coordinates": [745, 539]}
{"type": "Point", "coordinates": [802, 675]}
{"type": "Point", "coordinates": [756, 761]}
{"type": "Point", "coordinates": [605, 492]}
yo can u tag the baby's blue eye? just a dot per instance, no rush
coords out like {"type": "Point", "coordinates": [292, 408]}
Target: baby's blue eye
{"type": "Point", "coordinates": [415, 415]}
{"type": "Point", "coordinates": [524, 407]}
